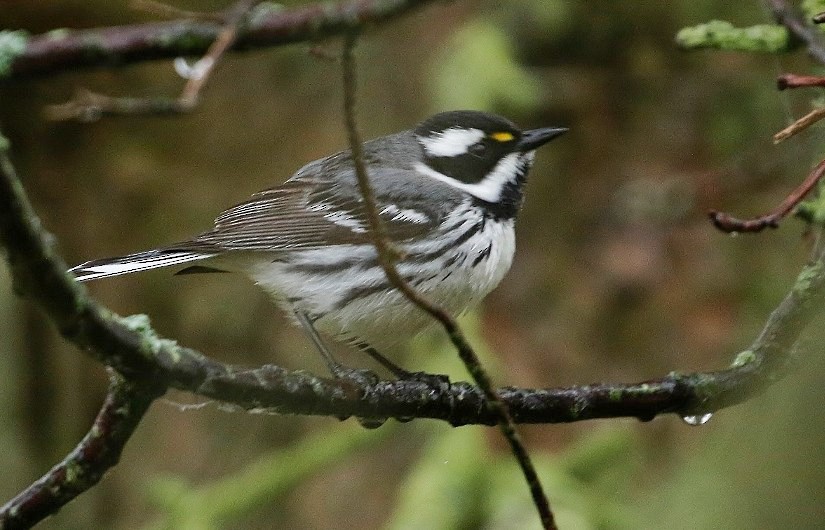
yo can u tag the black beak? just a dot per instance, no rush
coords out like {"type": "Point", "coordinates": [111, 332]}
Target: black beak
{"type": "Point", "coordinates": [535, 138]}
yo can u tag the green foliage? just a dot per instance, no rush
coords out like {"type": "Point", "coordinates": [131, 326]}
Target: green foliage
{"type": "Point", "coordinates": [766, 38]}
{"type": "Point", "coordinates": [812, 210]}
{"type": "Point", "coordinates": [260, 483]}
{"type": "Point", "coordinates": [447, 486]}
{"type": "Point", "coordinates": [12, 44]}
{"type": "Point", "coordinates": [458, 483]}
{"type": "Point", "coordinates": [478, 70]}
{"type": "Point", "coordinates": [812, 7]}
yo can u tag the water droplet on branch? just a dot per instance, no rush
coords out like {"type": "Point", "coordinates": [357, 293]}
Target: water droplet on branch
{"type": "Point", "coordinates": [697, 419]}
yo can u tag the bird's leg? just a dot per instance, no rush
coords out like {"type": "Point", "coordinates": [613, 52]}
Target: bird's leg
{"type": "Point", "coordinates": [436, 380]}
{"type": "Point", "coordinates": [362, 377]}
{"type": "Point", "coordinates": [396, 370]}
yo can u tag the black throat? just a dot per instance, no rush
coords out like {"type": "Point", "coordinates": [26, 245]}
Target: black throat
{"type": "Point", "coordinates": [509, 202]}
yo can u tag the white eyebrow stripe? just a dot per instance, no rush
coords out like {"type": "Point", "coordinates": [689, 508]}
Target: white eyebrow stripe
{"type": "Point", "coordinates": [490, 188]}
{"type": "Point", "coordinates": [451, 142]}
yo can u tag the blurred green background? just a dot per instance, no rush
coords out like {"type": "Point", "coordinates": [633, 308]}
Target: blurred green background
{"type": "Point", "coordinates": [618, 275]}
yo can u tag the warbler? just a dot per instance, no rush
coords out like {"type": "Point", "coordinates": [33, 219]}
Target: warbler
{"type": "Point", "coordinates": [448, 192]}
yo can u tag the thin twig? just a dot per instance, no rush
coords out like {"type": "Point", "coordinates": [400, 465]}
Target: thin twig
{"type": "Point", "coordinates": [226, 38]}
{"type": "Point", "coordinates": [124, 407]}
{"type": "Point", "coordinates": [88, 106]}
{"type": "Point", "coordinates": [388, 256]}
{"type": "Point", "coordinates": [788, 81]}
{"type": "Point", "coordinates": [792, 19]}
{"type": "Point", "coordinates": [799, 125]}
{"type": "Point", "coordinates": [727, 223]}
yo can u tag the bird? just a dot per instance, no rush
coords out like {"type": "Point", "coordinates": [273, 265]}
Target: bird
{"type": "Point", "coordinates": [448, 192]}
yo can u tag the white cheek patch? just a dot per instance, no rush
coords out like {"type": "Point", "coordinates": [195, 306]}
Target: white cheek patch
{"type": "Point", "coordinates": [451, 142]}
{"type": "Point", "coordinates": [490, 188]}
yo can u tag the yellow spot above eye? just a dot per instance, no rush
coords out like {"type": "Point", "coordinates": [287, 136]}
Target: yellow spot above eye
{"type": "Point", "coordinates": [502, 136]}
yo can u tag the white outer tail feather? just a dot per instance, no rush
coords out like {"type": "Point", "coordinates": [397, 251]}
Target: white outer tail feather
{"type": "Point", "coordinates": [141, 261]}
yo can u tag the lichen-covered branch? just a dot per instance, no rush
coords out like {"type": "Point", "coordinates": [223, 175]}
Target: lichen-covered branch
{"type": "Point", "coordinates": [792, 28]}
{"type": "Point", "coordinates": [131, 346]}
{"type": "Point", "coordinates": [89, 106]}
{"type": "Point", "coordinates": [149, 364]}
{"type": "Point", "coordinates": [723, 35]}
{"type": "Point", "coordinates": [125, 405]}
{"type": "Point", "coordinates": [800, 26]}
{"type": "Point", "coordinates": [268, 25]}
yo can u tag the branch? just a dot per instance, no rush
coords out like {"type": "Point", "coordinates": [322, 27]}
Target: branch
{"type": "Point", "coordinates": [727, 223]}
{"type": "Point", "coordinates": [789, 81]}
{"type": "Point", "coordinates": [133, 348]}
{"type": "Point", "coordinates": [89, 106]}
{"type": "Point", "coordinates": [99, 450]}
{"type": "Point", "coordinates": [797, 25]}
{"type": "Point", "coordinates": [269, 25]}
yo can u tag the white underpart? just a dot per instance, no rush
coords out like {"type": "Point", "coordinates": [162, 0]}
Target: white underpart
{"type": "Point", "coordinates": [490, 187]}
{"type": "Point", "coordinates": [385, 318]}
{"type": "Point", "coordinates": [451, 142]}
{"type": "Point", "coordinates": [405, 214]}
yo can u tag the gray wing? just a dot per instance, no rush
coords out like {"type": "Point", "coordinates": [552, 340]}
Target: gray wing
{"type": "Point", "coordinates": [309, 213]}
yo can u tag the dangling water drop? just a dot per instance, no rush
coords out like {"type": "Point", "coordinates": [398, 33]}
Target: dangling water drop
{"type": "Point", "coordinates": [371, 423]}
{"type": "Point", "coordinates": [697, 419]}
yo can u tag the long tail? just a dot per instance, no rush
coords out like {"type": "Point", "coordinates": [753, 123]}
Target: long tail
{"type": "Point", "coordinates": [140, 261]}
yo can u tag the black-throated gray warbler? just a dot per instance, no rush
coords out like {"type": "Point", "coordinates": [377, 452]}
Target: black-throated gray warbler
{"type": "Point", "coordinates": [448, 193]}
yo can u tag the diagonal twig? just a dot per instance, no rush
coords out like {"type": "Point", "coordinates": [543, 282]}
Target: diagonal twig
{"type": "Point", "coordinates": [799, 125]}
{"type": "Point", "coordinates": [792, 19]}
{"type": "Point", "coordinates": [89, 106]}
{"type": "Point", "coordinates": [70, 50]}
{"type": "Point", "coordinates": [388, 256]}
{"type": "Point", "coordinates": [124, 407]}
{"type": "Point", "coordinates": [727, 223]}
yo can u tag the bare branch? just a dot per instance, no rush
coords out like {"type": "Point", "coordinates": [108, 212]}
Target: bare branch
{"type": "Point", "coordinates": [269, 26]}
{"type": "Point", "coordinates": [788, 81]}
{"type": "Point", "coordinates": [226, 38]}
{"type": "Point", "coordinates": [88, 106]}
{"type": "Point", "coordinates": [798, 26]}
{"type": "Point", "coordinates": [100, 449]}
{"type": "Point", "coordinates": [799, 125]}
{"type": "Point", "coordinates": [727, 223]}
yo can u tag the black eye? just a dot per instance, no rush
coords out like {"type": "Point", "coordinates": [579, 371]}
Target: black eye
{"type": "Point", "coordinates": [478, 149]}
